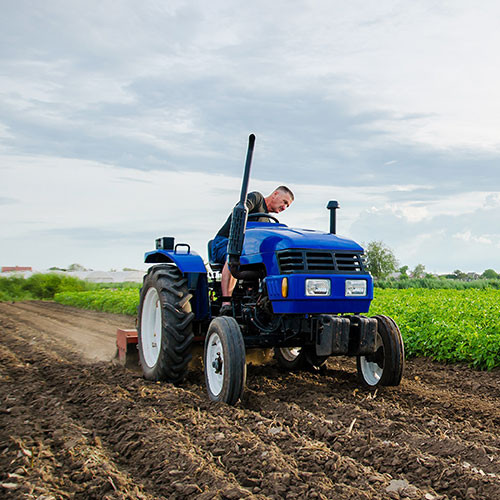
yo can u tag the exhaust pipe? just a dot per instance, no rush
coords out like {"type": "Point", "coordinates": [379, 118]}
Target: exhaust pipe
{"type": "Point", "coordinates": [333, 206]}
{"type": "Point", "coordinates": [239, 219]}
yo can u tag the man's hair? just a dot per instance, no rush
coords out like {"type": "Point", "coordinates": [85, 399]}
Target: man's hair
{"type": "Point", "coordinates": [286, 190]}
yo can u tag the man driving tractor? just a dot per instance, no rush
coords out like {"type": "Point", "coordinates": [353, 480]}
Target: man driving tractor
{"type": "Point", "coordinates": [280, 199]}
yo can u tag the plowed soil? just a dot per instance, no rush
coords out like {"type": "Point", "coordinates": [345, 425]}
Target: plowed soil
{"type": "Point", "coordinates": [75, 425]}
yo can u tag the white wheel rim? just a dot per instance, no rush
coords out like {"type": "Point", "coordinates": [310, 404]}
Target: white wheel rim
{"type": "Point", "coordinates": [372, 372]}
{"type": "Point", "coordinates": [290, 353]}
{"type": "Point", "coordinates": [151, 327]}
{"type": "Point", "coordinates": [214, 364]}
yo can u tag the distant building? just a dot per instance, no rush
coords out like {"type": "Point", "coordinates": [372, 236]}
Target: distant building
{"type": "Point", "coordinates": [15, 269]}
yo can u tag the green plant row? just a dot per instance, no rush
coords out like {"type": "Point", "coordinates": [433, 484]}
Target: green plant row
{"type": "Point", "coordinates": [437, 283]}
{"type": "Point", "coordinates": [446, 325]}
{"type": "Point", "coordinates": [40, 286]}
{"type": "Point", "coordinates": [45, 285]}
{"type": "Point", "coordinates": [120, 301]}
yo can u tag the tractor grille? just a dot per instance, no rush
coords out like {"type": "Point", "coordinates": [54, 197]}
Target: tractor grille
{"type": "Point", "coordinates": [319, 262]}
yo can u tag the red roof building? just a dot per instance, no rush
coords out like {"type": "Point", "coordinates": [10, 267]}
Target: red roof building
{"type": "Point", "coordinates": [13, 269]}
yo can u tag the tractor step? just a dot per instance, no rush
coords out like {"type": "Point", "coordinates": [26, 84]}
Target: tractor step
{"type": "Point", "coordinates": [126, 348]}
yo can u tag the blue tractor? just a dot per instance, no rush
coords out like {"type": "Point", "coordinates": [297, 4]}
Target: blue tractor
{"type": "Point", "coordinates": [301, 292]}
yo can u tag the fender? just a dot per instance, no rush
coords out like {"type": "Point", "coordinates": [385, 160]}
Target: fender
{"type": "Point", "coordinates": [187, 262]}
{"type": "Point", "coordinates": [193, 268]}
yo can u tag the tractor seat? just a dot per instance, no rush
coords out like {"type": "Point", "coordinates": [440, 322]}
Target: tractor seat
{"type": "Point", "coordinates": [215, 266]}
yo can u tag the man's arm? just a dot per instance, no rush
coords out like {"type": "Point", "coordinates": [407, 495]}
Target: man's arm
{"type": "Point", "coordinates": [253, 201]}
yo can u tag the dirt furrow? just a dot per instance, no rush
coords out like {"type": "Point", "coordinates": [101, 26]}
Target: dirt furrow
{"type": "Point", "coordinates": [134, 432]}
{"type": "Point", "coordinates": [390, 438]}
{"type": "Point", "coordinates": [93, 320]}
{"type": "Point", "coordinates": [94, 340]}
{"type": "Point", "coordinates": [54, 453]}
{"type": "Point", "coordinates": [342, 426]}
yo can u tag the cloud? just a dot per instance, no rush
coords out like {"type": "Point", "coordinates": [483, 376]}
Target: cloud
{"type": "Point", "coordinates": [443, 240]}
{"type": "Point", "coordinates": [469, 237]}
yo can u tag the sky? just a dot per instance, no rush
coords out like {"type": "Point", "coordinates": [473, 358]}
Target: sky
{"type": "Point", "coordinates": [121, 122]}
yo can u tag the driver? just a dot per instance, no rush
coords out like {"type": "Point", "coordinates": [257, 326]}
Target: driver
{"type": "Point", "coordinates": [280, 199]}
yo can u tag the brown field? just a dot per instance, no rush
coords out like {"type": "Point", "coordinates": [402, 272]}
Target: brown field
{"type": "Point", "coordinates": [75, 425]}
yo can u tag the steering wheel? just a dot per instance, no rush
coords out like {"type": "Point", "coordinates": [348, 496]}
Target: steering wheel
{"type": "Point", "coordinates": [263, 214]}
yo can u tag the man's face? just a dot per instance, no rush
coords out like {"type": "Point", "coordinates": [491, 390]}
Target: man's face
{"type": "Point", "coordinates": [279, 202]}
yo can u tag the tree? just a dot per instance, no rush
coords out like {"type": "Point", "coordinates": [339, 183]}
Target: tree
{"type": "Point", "coordinates": [403, 272]}
{"type": "Point", "coordinates": [459, 275]}
{"type": "Point", "coordinates": [380, 260]}
{"type": "Point", "coordinates": [490, 274]}
{"type": "Point", "coordinates": [419, 271]}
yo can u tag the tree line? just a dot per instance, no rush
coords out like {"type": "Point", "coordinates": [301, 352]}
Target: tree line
{"type": "Point", "coordinates": [383, 264]}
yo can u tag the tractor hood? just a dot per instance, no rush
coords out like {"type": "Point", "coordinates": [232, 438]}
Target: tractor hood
{"type": "Point", "coordinates": [263, 239]}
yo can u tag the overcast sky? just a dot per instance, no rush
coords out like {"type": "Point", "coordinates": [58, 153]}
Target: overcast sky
{"type": "Point", "coordinates": [124, 121]}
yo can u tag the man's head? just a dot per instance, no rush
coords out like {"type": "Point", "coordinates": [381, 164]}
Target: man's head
{"type": "Point", "coordinates": [280, 199]}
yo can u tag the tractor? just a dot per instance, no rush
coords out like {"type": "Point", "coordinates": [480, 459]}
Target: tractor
{"type": "Point", "coordinates": [302, 293]}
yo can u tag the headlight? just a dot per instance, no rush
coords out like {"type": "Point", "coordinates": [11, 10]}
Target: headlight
{"type": "Point", "coordinates": [318, 287]}
{"type": "Point", "coordinates": [355, 287]}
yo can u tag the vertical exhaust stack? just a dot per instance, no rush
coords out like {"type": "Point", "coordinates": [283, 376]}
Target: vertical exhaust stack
{"type": "Point", "coordinates": [239, 216]}
{"type": "Point", "coordinates": [333, 206]}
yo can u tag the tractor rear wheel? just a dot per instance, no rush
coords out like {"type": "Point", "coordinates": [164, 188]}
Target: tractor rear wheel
{"type": "Point", "coordinates": [298, 358]}
{"type": "Point", "coordinates": [224, 360]}
{"type": "Point", "coordinates": [165, 324]}
{"type": "Point", "coordinates": [385, 366]}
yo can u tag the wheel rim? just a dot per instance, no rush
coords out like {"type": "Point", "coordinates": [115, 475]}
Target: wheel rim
{"type": "Point", "coordinates": [372, 366]}
{"type": "Point", "coordinates": [151, 327]}
{"type": "Point", "coordinates": [290, 353]}
{"type": "Point", "coordinates": [214, 364]}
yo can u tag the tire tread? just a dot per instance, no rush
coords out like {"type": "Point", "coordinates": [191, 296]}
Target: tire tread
{"type": "Point", "coordinates": [177, 317]}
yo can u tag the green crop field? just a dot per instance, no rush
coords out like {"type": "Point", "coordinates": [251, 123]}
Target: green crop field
{"type": "Point", "coordinates": [446, 325]}
{"type": "Point", "coordinates": [121, 301]}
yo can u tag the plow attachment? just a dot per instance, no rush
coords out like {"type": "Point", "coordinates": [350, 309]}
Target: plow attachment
{"type": "Point", "coordinates": [126, 348]}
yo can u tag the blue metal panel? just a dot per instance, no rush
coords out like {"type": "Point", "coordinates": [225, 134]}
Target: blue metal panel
{"type": "Point", "coordinates": [297, 301]}
{"type": "Point", "coordinates": [263, 239]}
{"type": "Point", "coordinates": [200, 297]}
{"type": "Point", "coordinates": [186, 262]}
{"type": "Point", "coordinates": [193, 268]}
{"type": "Point", "coordinates": [346, 306]}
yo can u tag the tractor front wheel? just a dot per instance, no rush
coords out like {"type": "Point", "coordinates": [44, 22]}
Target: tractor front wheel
{"type": "Point", "coordinates": [165, 324]}
{"type": "Point", "coordinates": [385, 366]}
{"type": "Point", "coordinates": [225, 361]}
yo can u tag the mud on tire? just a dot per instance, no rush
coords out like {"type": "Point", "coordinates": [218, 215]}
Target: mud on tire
{"type": "Point", "coordinates": [164, 324]}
